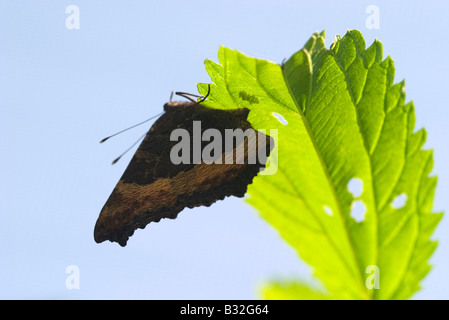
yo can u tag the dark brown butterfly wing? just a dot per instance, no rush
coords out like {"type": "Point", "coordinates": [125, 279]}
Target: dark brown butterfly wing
{"type": "Point", "coordinates": [152, 187]}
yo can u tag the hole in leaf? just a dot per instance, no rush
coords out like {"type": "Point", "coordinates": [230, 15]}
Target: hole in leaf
{"type": "Point", "coordinates": [328, 211]}
{"type": "Point", "coordinates": [358, 210]}
{"type": "Point", "coordinates": [400, 201]}
{"type": "Point", "coordinates": [280, 118]}
{"type": "Point", "coordinates": [355, 186]}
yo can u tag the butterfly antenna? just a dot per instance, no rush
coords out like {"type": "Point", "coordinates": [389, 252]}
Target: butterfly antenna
{"type": "Point", "coordinates": [118, 158]}
{"type": "Point", "coordinates": [188, 95]}
{"type": "Point", "coordinates": [205, 97]}
{"type": "Point", "coordinates": [103, 140]}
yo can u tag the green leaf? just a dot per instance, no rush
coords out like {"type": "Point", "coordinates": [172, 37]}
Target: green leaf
{"type": "Point", "coordinates": [347, 123]}
{"type": "Point", "coordinates": [293, 291]}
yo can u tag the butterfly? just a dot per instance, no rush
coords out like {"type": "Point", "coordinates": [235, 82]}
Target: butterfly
{"type": "Point", "coordinates": [158, 183]}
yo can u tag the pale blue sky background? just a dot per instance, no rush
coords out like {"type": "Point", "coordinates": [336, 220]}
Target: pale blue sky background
{"type": "Point", "coordinates": [61, 91]}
